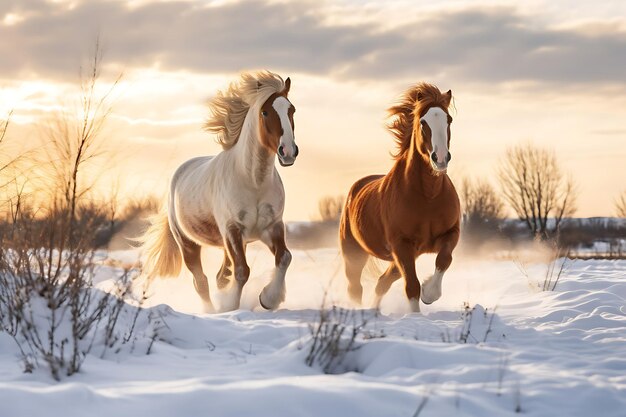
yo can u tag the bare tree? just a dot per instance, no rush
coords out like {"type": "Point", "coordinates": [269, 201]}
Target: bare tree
{"type": "Point", "coordinates": [482, 206]}
{"type": "Point", "coordinates": [620, 205]}
{"type": "Point", "coordinates": [73, 140]}
{"type": "Point", "coordinates": [535, 187]}
{"type": "Point", "coordinates": [330, 208]}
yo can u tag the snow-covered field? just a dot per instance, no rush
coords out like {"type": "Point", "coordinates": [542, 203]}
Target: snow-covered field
{"type": "Point", "coordinates": [560, 353]}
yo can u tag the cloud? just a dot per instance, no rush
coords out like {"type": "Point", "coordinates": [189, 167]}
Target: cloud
{"type": "Point", "coordinates": [484, 45]}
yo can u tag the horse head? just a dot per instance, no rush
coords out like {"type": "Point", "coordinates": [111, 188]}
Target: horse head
{"type": "Point", "coordinates": [432, 125]}
{"type": "Point", "coordinates": [276, 126]}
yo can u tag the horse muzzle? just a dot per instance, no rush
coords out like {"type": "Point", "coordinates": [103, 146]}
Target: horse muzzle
{"type": "Point", "coordinates": [284, 158]}
{"type": "Point", "coordinates": [439, 168]}
{"type": "Point", "coordinates": [440, 164]}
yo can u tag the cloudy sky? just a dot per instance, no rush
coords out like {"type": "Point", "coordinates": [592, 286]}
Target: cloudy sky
{"type": "Point", "coordinates": [549, 72]}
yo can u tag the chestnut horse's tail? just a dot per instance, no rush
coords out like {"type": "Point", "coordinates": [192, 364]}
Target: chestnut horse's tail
{"type": "Point", "coordinates": [163, 257]}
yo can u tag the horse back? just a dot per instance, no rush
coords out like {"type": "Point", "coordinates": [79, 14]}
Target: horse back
{"type": "Point", "coordinates": [189, 167]}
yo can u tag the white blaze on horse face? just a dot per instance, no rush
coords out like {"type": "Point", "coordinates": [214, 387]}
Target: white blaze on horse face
{"type": "Point", "coordinates": [287, 140]}
{"type": "Point", "coordinates": [437, 120]}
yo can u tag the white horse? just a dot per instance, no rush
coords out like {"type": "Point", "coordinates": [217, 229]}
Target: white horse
{"type": "Point", "coordinates": [232, 198]}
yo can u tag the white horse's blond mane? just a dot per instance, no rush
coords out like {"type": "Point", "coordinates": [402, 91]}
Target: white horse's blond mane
{"type": "Point", "coordinates": [228, 109]}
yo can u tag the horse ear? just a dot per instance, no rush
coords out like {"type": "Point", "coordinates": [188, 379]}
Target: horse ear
{"type": "Point", "coordinates": [258, 84]}
{"type": "Point", "coordinates": [449, 96]}
{"type": "Point", "coordinates": [287, 86]}
{"type": "Point", "coordinates": [420, 96]}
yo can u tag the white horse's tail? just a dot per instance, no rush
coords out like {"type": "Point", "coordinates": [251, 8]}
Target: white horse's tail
{"type": "Point", "coordinates": [163, 257]}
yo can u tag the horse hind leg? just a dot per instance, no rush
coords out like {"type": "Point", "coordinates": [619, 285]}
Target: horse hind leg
{"type": "Point", "coordinates": [391, 275]}
{"type": "Point", "coordinates": [354, 258]}
{"type": "Point", "coordinates": [222, 277]}
{"type": "Point", "coordinates": [354, 265]}
{"type": "Point", "coordinates": [191, 256]}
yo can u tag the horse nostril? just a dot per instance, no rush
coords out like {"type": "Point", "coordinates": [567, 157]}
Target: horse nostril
{"type": "Point", "coordinates": [449, 156]}
{"type": "Point", "coordinates": [295, 154]}
{"type": "Point", "coordinates": [281, 151]}
{"type": "Point", "coordinates": [433, 156]}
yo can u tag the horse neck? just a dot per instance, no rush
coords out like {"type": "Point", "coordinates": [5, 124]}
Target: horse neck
{"type": "Point", "coordinates": [253, 160]}
{"type": "Point", "coordinates": [419, 174]}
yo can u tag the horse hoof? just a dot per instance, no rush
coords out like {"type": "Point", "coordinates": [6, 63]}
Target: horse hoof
{"type": "Point", "coordinates": [273, 302]}
{"type": "Point", "coordinates": [269, 308]}
{"type": "Point", "coordinates": [429, 299]}
{"type": "Point", "coordinates": [263, 305]}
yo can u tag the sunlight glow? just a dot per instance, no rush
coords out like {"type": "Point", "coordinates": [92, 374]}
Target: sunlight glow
{"type": "Point", "coordinates": [159, 107]}
{"type": "Point", "coordinates": [11, 19]}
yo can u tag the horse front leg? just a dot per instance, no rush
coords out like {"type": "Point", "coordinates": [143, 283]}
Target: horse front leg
{"type": "Point", "coordinates": [274, 293]}
{"type": "Point", "coordinates": [403, 251]}
{"type": "Point", "coordinates": [235, 247]}
{"type": "Point", "coordinates": [431, 289]}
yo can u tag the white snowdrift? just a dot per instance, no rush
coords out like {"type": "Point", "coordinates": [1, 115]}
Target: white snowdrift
{"type": "Point", "coordinates": [543, 353]}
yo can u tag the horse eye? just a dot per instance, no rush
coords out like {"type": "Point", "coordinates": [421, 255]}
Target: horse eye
{"type": "Point", "coordinates": [264, 113]}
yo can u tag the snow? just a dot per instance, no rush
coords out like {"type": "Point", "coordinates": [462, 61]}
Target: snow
{"type": "Point", "coordinates": [546, 353]}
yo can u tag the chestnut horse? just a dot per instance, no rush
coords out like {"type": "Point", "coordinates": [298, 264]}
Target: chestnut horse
{"type": "Point", "coordinates": [412, 210]}
{"type": "Point", "coordinates": [234, 197]}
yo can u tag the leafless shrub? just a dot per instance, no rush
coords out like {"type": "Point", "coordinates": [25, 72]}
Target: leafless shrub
{"type": "Point", "coordinates": [140, 206]}
{"type": "Point", "coordinates": [130, 222]}
{"type": "Point", "coordinates": [503, 366]}
{"type": "Point", "coordinates": [4, 127]}
{"type": "Point", "coordinates": [158, 329]}
{"type": "Point", "coordinates": [467, 333]}
{"type": "Point", "coordinates": [534, 185]}
{"type": "Point", "coordinates": [422, 405]}
{"type": "Point", "coordinates": [127, 218]}
{"type": "Point", "coordinates": [330, 208]}
{"type": "Point", "coordinates": [556, 264]}
{"type": "Point", "coordinates": [518, 397]}
{"type": "Point", "coordinates": [620, 205]}
{"type": "Point", "coordinates": [48, 302]}
{"type": "Point", "coordinates": [7, 165]}
{"type": "Point", "coordinates": [333, 336]}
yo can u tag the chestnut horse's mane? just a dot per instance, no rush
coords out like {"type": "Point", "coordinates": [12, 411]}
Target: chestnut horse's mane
{"type": "Point", "coordinates": [229, 108]}
{"type": "Point", "coordinates": [402, 115]}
